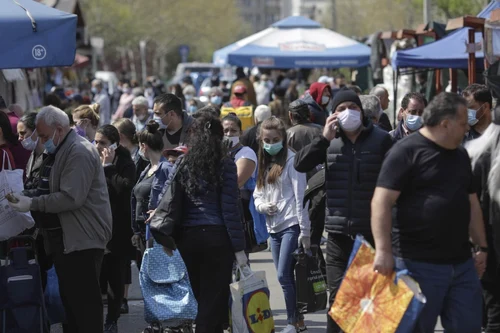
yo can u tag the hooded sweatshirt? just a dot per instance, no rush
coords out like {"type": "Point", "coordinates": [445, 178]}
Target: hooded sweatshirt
{"type": "Point", "coordinates": [313, 99]}
{"type": "Point", "coordinates": [288, 194]}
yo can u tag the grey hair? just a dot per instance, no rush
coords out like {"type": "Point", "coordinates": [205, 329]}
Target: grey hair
{"type": "Point", "coordinates": [262, 112]}
{"type": "Point", "coordinates": [371, 106]}
{"type": "Point", "coordinates": [443, 106]}
{"type": "Point", "coordinates": [216, 90]}
{"type": "Point", "coordinates": [52, 116]}
{"type": "Point", "coordinates": [488, 144]}
{"type": "Point", "coordinates": [378, 91]}
{"type": "Point", "coordinates": [141, 100]}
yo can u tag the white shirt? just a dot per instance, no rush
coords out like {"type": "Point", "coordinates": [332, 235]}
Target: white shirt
{"type": "Point", "coordinates": [249, 154]}
{"type": "Point", "coordinates": [288, 195]}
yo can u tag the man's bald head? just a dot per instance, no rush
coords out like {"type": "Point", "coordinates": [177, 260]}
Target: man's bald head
{"type": "Point", "coordinates": [382, 94]}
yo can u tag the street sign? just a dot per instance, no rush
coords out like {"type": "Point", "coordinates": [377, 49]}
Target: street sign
{"type": "Point", "coordinates": [184, 52]}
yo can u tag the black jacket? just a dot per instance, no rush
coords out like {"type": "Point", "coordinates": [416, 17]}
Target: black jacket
{"type": "Point", "coordinates": [351, 176]}
{"type": "Point", "coordinates": [120, 178]}
{"type": "Point", "coordinates": [249, 138]}
{"type": "Point", "coordinates": [315, 196]}
{"type": "Point", "coordinates": [301, 135]}
{"type": "Point", "coordinates": [491, 213]}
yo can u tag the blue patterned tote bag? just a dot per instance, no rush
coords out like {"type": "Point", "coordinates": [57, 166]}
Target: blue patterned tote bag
{"type": "Point", "coordinates": [168, 297]}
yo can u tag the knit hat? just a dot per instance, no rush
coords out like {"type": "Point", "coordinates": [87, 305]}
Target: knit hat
{"type": "Point", "coordinates": [345, 95]}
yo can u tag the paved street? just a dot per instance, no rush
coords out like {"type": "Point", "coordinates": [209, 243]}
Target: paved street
{"type": "Point", "coordinates": [134, 321]}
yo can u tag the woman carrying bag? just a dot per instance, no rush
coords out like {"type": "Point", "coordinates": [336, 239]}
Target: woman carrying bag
{"type": "Point", "coordinates": [279, 195]}
{"type": "Point", "coordinates": [199, 214]}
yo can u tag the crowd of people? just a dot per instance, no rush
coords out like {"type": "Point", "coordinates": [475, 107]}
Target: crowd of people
{"type": "Point", "coordinates": [96, 176]}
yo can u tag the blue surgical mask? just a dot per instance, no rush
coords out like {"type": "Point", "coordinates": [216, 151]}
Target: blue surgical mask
{"type": "Point", "coordinates": [94, 90]}
{"type": "Point", "coordinates": [217, 100]}
{"type": "Point", "coordinates": [193, 109]}
{"type": "Point", "coordinates": [413, 122]}
{"type": "Point", "coordinates": [50, 146]}
{"type": "Point", "coordinates": [273, 148]}
{"type": "Point", "coordinates": [159, 121]}
{"type": "Point", "coordinates": [471, 117]}
{"type": "Point", "coordinates": [28, 142]}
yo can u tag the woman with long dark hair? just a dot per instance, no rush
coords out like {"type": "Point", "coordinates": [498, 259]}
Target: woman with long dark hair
{"type": "Point", "coordinates": [119, 170]}
{"type": "Point", "coordinates": [150, 183]}
{"type": "Point", "coordinates": [7, 139]}
{"type": "Point", "coordinates": [280, 195]}
{"type": "Point", "coordinates": [210, 234]}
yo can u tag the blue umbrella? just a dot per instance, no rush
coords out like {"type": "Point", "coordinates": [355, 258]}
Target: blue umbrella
{"type": "Point", "coordinates": [34, 35]}
{"type": "Point", "coordinates": [295, 42]}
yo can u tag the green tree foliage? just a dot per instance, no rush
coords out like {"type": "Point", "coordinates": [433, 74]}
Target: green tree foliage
{"type": "Point", "coordinates": [363, 17]}
{"type": "Point", "coordinates": [166, 24]}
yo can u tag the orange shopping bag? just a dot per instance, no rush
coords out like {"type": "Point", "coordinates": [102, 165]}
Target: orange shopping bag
{"type": "Point", "coordinates": [373, 303]}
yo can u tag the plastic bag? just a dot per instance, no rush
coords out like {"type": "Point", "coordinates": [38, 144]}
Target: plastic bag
{"type": "Point", "coordinates": [250, 310]}
{"type": "Point", "coordinates": [12, 223]}
{"type": "Point", "coordinates": [309, 282]}
{"type": "Point", "coordinates": [370, 302]}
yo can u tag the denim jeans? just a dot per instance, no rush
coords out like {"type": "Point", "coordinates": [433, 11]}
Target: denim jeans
{"type": "Point", "coordinates": [283, 244]}
{"type": "Point", "coordinates": [453, 292]}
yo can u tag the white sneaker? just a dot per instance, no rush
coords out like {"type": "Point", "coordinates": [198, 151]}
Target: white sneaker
{"type": "Point", "coordinates": [289, 329]}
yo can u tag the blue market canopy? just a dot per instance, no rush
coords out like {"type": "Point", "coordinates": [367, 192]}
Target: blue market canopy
{"type": "Point", "coordinates": [35, 35]}
{"type": "Point", "coordinates": [449, 52]}
{"type": "Point", "coordinates": [294, 42]}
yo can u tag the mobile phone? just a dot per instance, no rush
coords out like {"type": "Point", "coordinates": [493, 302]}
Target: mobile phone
{"type": "Point", "coordinates": [113, 146]}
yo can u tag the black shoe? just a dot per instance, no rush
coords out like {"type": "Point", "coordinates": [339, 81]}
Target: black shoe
{"type": "Point", "coordinates": [124, 307]}
{"type": "Point", "coordinates": [111, 327]}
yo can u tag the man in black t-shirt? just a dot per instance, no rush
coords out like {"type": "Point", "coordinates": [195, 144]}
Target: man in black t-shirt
{"type": "Point", "coordinates": [428, 177]}
{"type": "Point", "coordinates": [174, 122]}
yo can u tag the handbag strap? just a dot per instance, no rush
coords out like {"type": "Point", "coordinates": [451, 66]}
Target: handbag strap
{"type": "Point", "coordinates": [6, 157]}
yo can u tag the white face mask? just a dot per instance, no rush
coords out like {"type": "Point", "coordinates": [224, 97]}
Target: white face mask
{"type": "Point", "coordinates": [350, 120]}
{"type": "Point", "coordinates": [235, 140]}
{"type": "Point", "coordinates": [325, 100]}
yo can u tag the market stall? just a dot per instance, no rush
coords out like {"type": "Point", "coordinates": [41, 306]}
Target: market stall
{"type": "Point", "coordinates": [295, 42]}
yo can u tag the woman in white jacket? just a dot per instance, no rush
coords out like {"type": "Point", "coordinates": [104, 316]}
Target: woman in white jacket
{"type": "Point", "coordinates": [279, 195]}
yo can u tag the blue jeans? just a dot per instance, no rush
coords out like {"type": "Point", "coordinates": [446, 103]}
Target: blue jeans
{"type": "Point", "coordinates": [453, 292]}
{"type": "Point", "coordinates": [283, 244]}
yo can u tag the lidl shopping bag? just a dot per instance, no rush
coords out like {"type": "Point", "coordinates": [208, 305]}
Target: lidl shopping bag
{"type": "Point", "coordinates": [12, 223]}
{"type": "Point", "coordinates": [250, 310]}
{"type": "Point", "coordinates": [309, 282]}
{"type": "Point", "coordinates": [372, 303]}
